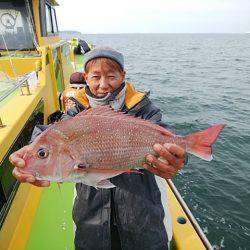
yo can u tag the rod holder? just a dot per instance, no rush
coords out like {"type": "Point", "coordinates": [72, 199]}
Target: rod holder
{"type": "Point", "coordinates": [25, 85]}
{"type": "Point", "coordinates": [1, 124]}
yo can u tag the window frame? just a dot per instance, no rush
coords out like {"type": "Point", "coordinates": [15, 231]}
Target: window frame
{"type": "Point", "coordinates": [48, 11]}
{"type": "Point", "coordinates": [54, 22]}
{"type": "Point", "coordinates": [43, 19]}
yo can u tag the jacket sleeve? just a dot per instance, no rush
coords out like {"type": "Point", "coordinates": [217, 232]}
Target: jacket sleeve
{"type": "Point", "coordinates": [38, 129]}
{"type": "Point", "coordinates": [148, 111]}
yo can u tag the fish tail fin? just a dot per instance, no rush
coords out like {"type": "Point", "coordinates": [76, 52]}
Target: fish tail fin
{"type": "Point", "coordinates": [201, 142]}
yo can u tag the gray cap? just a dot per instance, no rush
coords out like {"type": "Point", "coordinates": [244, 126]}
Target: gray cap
{"type": "Point", "coordinates": [106, 52]}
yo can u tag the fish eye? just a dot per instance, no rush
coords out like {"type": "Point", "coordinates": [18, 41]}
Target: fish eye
{"type": "Point", "coordinates": [43, 153]}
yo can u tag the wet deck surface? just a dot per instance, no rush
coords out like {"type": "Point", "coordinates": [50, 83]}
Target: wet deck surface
{"type": "Point", "coordinates": [53, 225]}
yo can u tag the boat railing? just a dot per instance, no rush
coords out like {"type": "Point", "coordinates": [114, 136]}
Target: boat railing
{"type": "Point", "coordinates": [59, 44]}
{"type": "Point", "coordinates": [190, 216]}
{"type": "Point", "coordinates": [19, 83]}
{"type": "Point", "coordinates": [21, 53]}
{"type": "Point", "coordinates": [25, 83]}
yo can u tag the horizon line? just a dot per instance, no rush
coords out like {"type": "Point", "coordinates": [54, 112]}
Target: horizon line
{"type": "Point", "coordinates": [153, 32]}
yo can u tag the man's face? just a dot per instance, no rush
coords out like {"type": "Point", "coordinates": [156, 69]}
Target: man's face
{"type": "Point", "coordinates": [102, 80]}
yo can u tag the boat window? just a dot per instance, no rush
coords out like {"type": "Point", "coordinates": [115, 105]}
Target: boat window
{"type": "Point", "coordinates": [51, 22]}
{"type": "Point", "coordinates": [55, 27]}
{"type": "Point", "coordinates": [48, 19]}
{"type": "Point", "coordinates": [15, 28]}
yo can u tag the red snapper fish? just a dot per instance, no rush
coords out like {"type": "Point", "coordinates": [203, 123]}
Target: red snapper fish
{"type": "Point", "coordinates": [101, 143]}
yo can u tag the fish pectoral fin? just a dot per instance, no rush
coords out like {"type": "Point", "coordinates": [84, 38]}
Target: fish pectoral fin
{"type": "Point", "coordinates": [135, 171]}
{"type": "Point", "coordinates": [81, 163]}
{"type": "Point", "coordinates": [80, 166]}
{"type": "Point", "coordinates": [105, 184]}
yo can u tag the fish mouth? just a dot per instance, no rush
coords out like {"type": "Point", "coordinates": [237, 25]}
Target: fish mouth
{"type": "Point", "coordinates": [27, 172]}
{"type": "Point", "coordinates": [33, 173]}
{"type": "Point", "coordinates": [49, 178]}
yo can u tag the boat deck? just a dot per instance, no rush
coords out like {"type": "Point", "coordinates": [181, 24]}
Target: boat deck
{"type": "Point", "coordinates": [53, 228]}
{"type": "Point", "coordinates": [53, 225]}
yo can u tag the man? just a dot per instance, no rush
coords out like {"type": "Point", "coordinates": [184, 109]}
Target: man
{"type": "Point", "coordinates": [77, 82]}
{"type": "Point", "coordinates": [134, 215]}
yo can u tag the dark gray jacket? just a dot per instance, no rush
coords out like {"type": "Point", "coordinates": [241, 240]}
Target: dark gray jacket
{"type": "Point", "coordinates": [127, 217]}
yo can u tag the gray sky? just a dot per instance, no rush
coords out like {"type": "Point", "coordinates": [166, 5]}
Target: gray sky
{"type": "Point", "coordinates": [154, 16]}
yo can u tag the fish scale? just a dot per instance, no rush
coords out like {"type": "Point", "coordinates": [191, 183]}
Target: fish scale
{"type": "Point", "coordinates": [121, 150]}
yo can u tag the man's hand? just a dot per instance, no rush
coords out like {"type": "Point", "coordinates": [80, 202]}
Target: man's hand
{"type": "Point", "coordinates": [171, 160]}
{"type": "Point", "coordinates": [17, 160]}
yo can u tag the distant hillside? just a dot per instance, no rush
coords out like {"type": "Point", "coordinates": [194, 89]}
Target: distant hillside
{"type": "Point", "coordinates": [69, 34]}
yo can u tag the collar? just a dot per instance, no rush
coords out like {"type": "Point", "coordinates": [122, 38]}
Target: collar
{"type": "Point", "coordinates": [132, 96]}
{"type": "Point", "coordinates": [115, 100]}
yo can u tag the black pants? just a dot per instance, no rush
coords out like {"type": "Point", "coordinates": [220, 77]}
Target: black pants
{"type": "Point", "coordinates": [115, 237]}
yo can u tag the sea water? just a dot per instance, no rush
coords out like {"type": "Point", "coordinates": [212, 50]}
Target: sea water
{"type": "Point", "coordinates": [198, 80]}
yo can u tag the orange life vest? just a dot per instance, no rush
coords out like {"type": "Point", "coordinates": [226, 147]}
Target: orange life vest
{"type": "Point", "coordinates": [67, 93]}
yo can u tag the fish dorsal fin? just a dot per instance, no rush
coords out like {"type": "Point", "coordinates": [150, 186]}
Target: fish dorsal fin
{"type": "Point", "coordinates": [107, 111]}
{"type": "Point", "coordinates": [100, 110]}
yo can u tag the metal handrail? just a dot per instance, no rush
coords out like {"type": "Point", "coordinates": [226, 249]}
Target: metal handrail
{"type": "Point", "coordinates": [19, 85]}
{"type": "Point", "coordinates": [56, 45]}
